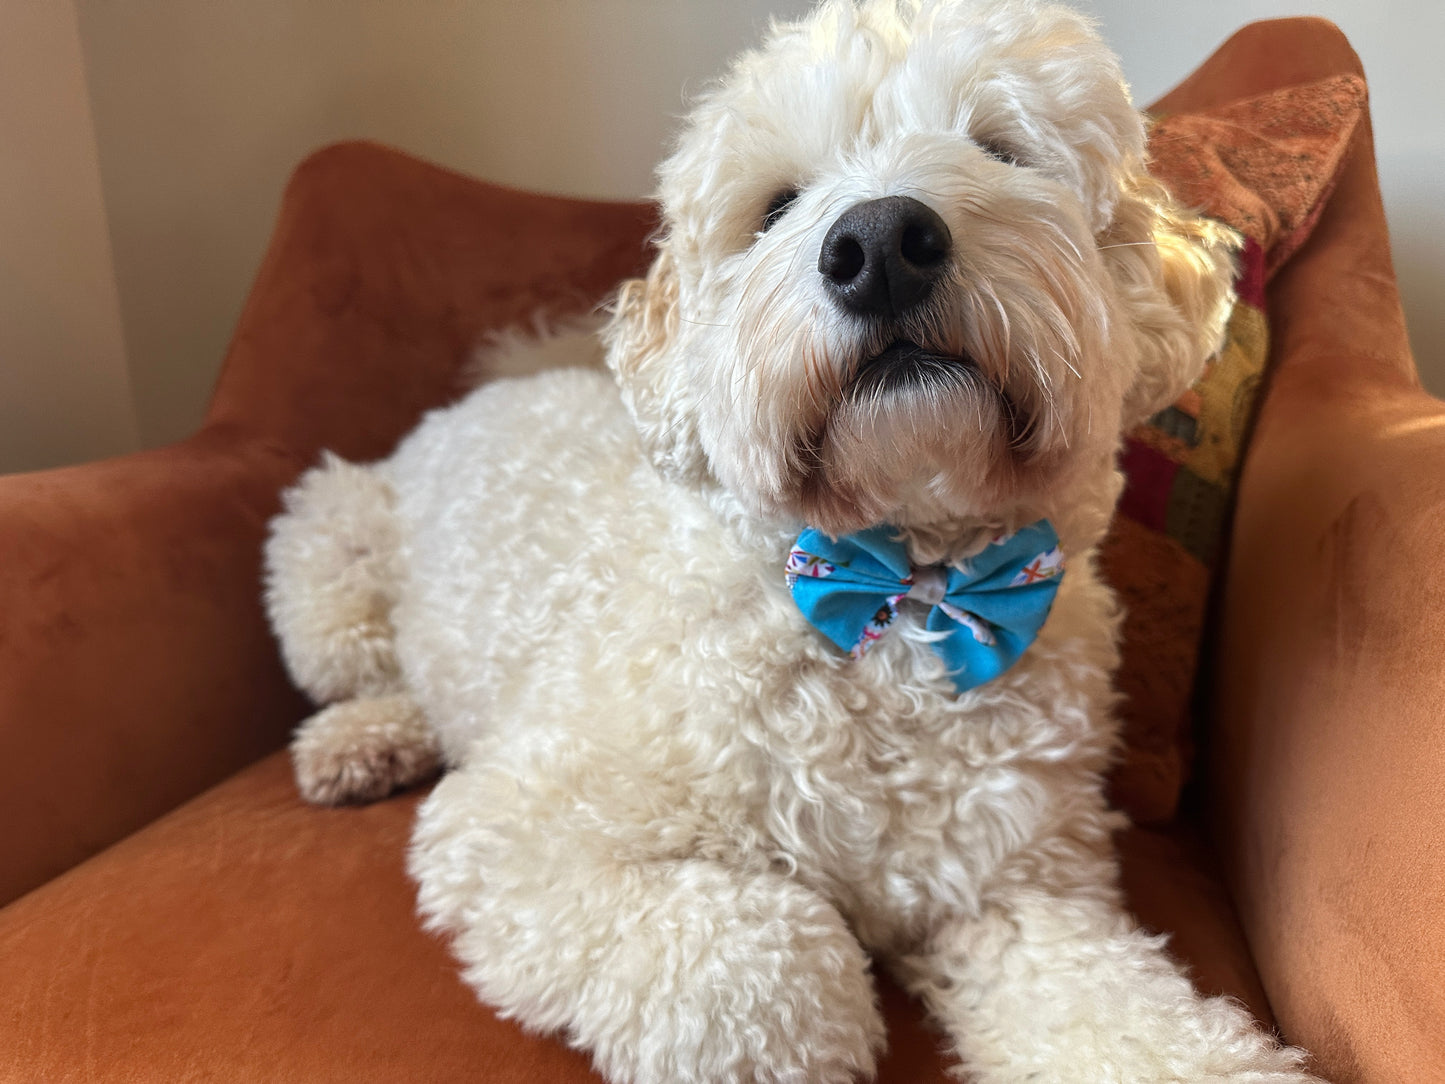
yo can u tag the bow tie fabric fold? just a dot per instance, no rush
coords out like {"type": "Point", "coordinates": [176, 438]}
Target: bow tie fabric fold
{"type": "Point", "coordinates": [989, 607]}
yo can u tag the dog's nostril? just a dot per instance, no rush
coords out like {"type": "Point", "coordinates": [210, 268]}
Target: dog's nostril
{"type": "Point", "coordinates": [882, 257]}
{"type": "Point", "coordinates": [842, 260]}
{"type": "Point", "coordinates": [922, 246]}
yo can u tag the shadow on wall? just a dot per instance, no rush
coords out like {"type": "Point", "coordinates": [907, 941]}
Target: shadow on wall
{"type": "Point", "coordinates": [1411, 185]}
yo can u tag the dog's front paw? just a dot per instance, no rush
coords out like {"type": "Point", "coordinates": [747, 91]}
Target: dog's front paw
{"type": "Point", "coordinates": [746, 982]}
{"type": "Point", "coordinates": [362, 750]}
{"type": "Point", "coordinates": [666, 971]}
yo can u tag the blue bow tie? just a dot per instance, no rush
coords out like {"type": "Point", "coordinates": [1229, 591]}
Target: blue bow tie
{"type": "Point", "coordinates": [990, 607]}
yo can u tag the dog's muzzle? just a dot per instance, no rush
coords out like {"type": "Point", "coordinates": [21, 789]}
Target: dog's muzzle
{"type": "Point", "coordinates": [883, 256]}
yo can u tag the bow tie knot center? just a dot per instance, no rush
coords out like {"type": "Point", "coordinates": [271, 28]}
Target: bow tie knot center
{"type": "Point", "coordinates": [930, 584]}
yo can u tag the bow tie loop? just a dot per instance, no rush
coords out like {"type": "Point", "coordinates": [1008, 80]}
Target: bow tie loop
{"type": "Point", "coordinates": [987, 609]}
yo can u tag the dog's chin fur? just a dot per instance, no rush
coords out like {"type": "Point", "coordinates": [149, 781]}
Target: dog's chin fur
{"type": "Point", "coordinates": [891, 452]}
{"type": "Point", "coordinates": [676, 815]}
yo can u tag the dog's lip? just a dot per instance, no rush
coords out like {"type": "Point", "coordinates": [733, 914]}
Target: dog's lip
{"type": "Point", "coordinates": [905, 364]}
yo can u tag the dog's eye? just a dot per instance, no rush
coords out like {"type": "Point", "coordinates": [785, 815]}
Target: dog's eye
{"type": "Point", "coordinates": [998, 151]}
{"type": "Point", "coordinates": [778, 207]}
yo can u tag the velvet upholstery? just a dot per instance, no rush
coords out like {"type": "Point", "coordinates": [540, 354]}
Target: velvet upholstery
{"type": "Point", "coordinates": [1325, 745]}
{"type": "Point", "coordinates": [138, 666]}
{"type": "Point", "coordinates": [248, 931]}
{"type": "Point", "coordinates": [245, 936]}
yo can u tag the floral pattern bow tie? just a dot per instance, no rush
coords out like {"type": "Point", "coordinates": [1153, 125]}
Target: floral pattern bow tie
{"type": "Point", "coordinates": [989, 607]}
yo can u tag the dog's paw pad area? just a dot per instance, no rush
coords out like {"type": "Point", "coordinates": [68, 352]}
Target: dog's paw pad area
{"type": "Point", "coordinates": [362, 750]}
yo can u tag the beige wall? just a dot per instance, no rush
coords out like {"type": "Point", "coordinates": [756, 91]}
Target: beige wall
{"type": "Point", "coordinates": [201, 107]}
{"type": "Point", "coordinates": [64, 392]}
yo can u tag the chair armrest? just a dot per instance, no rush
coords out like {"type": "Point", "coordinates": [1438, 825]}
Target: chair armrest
{"type": "Point", "coordinates": [1326, 750]}
{"type": "Point", "coordinates": [135, 664]}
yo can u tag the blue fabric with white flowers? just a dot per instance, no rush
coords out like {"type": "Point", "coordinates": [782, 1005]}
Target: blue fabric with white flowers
{"type": "Point", "coordinates": [992, 606]}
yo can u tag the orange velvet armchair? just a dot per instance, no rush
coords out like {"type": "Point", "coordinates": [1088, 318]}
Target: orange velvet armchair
{"type": "Point", "coordinates": [174, 912]}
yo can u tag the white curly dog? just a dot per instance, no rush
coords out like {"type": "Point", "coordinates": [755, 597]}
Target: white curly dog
{"type": "Point", "coordinates": [912, 285]}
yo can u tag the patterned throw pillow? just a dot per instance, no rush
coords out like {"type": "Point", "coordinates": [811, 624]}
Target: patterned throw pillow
{"type": "Point", "coordinates": [1265, 166]}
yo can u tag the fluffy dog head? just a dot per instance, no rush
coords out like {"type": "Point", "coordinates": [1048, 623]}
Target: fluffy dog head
{"type": "Point", "coordinates": [913, 271]}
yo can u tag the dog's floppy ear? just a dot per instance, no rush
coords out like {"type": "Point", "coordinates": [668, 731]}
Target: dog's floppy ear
{"type": "Point", "coordinates": [1175, 271]}
{"type": "Point", "coordinates": [641, 341]}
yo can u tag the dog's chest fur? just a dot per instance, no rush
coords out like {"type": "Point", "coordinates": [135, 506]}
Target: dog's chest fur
{"type": "Point", "coordinates": [583, 622]}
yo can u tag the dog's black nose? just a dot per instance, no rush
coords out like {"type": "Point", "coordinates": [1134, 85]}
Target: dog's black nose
{"type": "Point", "coordinates": [882, 256]}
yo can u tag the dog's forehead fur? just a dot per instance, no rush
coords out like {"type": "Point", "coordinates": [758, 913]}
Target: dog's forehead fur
{"type": "Point", "coordinates": [1030, 79]}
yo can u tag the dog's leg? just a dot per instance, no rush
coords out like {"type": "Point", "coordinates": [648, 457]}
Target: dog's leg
{"type": "Point", "coordinates": [667, 971]}
{"type": "Point", "coordinates": [331, 582]}
{"type": "Point", "coordinates": [1068, 990]}
{"type": "Point", "coordinates": [361, 750]}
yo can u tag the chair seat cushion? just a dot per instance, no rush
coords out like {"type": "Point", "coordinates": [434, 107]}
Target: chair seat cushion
{"type": "Point", "coordinates": [248, 936]}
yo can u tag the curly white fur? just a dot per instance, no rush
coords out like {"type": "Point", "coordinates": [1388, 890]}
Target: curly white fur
{"type": "Point", "coordinates": [678, 823]}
